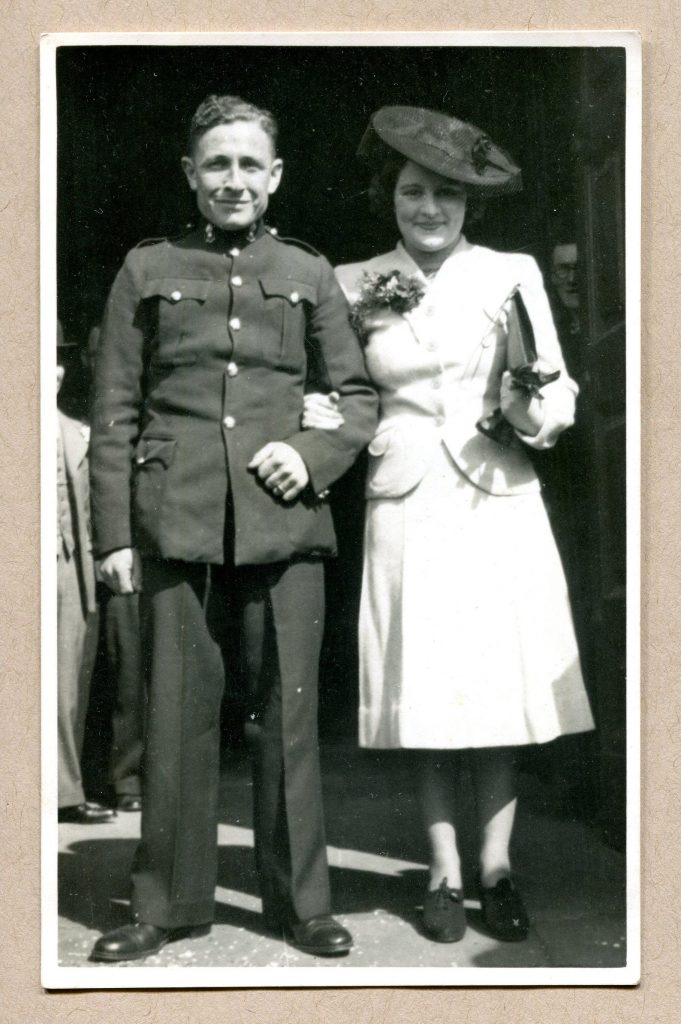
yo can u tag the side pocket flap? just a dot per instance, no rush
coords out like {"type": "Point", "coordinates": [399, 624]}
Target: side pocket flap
{"type": "Point", "coordinates": [155, 449]}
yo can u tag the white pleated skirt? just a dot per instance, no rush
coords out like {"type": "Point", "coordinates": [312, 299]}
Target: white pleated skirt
{"type": "Point", "coordinates": [466, 635]}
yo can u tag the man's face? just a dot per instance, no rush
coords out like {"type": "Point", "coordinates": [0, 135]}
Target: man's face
{"type": "Point", "coordinates": [233, 171]}
{"type": "Point", "coordinates": [564, 274]}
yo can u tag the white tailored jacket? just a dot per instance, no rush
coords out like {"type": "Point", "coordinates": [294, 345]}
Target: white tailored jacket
{"type": "Point", "coordinates": [438, 370]}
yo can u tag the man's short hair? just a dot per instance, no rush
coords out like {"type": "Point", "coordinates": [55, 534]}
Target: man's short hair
{"type": "Point", "coordinates": [217, 110]}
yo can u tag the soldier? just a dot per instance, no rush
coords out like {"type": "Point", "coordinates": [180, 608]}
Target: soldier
{"type": "Point", "coordinates": [207, 491]}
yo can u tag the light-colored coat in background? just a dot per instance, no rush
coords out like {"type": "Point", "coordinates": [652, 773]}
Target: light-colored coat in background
{"type": "Point", "coordinates": [76, 614]}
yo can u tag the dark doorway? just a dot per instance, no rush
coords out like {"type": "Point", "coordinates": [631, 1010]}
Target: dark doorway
{"type": "Point", "coordinates": [124, 111]}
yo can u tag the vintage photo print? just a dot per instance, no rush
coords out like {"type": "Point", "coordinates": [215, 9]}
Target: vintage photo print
{"type": "Point", "coordinates": [341, 613]}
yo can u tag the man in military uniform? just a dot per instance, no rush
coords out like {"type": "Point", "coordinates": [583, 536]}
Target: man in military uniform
{"type": "Point", "coordinates": [209, 497]}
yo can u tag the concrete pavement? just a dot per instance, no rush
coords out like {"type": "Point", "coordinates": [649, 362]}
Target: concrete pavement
{"type": "Point", "coordinates": [572, 883]}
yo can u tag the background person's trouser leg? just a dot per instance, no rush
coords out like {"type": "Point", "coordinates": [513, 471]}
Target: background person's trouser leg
{"type": "Point", "coordinates": [76, 648]}
{"type": "Point", "coordinates": [124, 654]}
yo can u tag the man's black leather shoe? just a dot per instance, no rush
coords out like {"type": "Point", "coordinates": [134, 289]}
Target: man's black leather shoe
{"type": "Point", "coordinates": [129, 802]}
{"type": "Point", "coordinates": [135, 941]}
{"type": "Point", "coordinates": [322, 936]}
{"type": "Point", "coordinates": [87, 814]}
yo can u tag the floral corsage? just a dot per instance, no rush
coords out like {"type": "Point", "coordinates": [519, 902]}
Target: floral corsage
{"type": "Point", "coordinates": [380, 292]}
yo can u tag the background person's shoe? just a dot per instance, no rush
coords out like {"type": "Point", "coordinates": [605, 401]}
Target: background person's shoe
{"type": "Point", "coordinates": [86, 814]}
{"type": "Point", "coordinates": [444, 916]}
{"type": "Point", "coordinates": [135, 941]}
{"type": "Point", "coordinates": [503, 911]}
{"type": "Point", "coordinates": [129, 802]}
{"type": "Point", "coordinates": [322, 936]}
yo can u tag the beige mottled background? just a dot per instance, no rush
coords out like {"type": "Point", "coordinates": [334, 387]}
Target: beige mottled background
{"type": "Point", "coordinates": [21, 997]}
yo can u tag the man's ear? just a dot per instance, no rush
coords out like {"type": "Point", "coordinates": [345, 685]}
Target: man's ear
{"type": "Point", "coordinates": [276, 171]}
{"type": "Point", "coordinates": [190, 171]}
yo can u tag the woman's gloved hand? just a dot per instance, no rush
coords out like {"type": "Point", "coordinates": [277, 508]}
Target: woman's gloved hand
{"type": "Point", "coordinates": [321, 412]}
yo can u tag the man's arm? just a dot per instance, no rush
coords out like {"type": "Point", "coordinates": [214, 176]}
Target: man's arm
{"type": "Point", "coordinates": [115, 414]}
{"type": "Point", "coordinates": [328, 454]}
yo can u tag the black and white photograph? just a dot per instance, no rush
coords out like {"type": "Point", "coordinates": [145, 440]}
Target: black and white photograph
{"type": "Point", "coordinates": [340, 665]}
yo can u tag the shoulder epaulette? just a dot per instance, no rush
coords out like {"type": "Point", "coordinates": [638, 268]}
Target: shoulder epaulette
{"type": "Point", "coordinates": [166, 238]}
{"type": "Point", "coordinates": [293, 241]}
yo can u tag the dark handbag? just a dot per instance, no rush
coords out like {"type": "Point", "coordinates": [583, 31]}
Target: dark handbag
{"type": "Point", "coordinates": [521, 357]}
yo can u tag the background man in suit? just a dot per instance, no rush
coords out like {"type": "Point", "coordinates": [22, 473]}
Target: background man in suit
{"type": "Point", "coordinates": [76, 607]}
{"type": "Point", "coordinates": [114, 731]}
{"type": "Point", "coordinates": [208, 344]}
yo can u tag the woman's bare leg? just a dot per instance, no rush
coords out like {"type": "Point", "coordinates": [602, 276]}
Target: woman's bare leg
{"type": "Point", "coordinates": [437, 802]}
{"type": "Point", "coordinates": [495, 790]}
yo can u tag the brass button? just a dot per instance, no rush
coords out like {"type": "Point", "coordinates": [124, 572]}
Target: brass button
{"type": "Point", "coordinates": [232, 369]}
{"type": "Point", "coordinates": [234, 251]}
{"type": "Point", "coordinates": [237, 281]}
{"type": "Point", "coordinates": [139, 460]}
{"type": "Point", "coordinates": [295, 297]}
{"type": "Point", "coordinates": [229, 422]}
{"type": "Point", "coordinates": [176, 295]}
{"type": "Point", "coordinates": [436, 384]}
{"type": "Point", "coordinates": [235, 323]}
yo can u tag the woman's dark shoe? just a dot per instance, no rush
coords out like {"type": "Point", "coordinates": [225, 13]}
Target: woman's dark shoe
{"type": "Point", "coordinates": [135, 941]}
{"type": "Point", "coordinates": [503, 912]}
{"type": "Point", "coordinates": [444, 917]}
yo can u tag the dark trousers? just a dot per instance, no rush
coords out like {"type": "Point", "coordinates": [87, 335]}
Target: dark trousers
{"type": "Point", "coordinates": [258, 628]}
{"type": "Point", "coordinates": [121, 622]}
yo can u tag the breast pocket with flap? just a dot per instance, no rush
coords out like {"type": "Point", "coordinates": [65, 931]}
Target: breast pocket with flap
{"type": "Point", "coordinates": [178, 302]}
{"type": "Point", "coordinates": [285, 308]}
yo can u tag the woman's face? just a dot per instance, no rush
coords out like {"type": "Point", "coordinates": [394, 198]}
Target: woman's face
{"type": "Point", "coordinates": [429, 209]}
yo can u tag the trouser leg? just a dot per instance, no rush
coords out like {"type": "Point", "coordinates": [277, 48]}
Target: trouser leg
{"type": "Point", "coordinates": [283, 613]}
{"type": "Point", "coordinates": [76, 636]}
{"type": "Point", "coordinates": [175, 868]}
{"type": "Point", "coordinates": [124, 656]}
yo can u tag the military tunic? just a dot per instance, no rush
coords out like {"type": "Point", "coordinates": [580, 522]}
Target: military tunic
{"type": "Point", "coordinates": [206, 350]}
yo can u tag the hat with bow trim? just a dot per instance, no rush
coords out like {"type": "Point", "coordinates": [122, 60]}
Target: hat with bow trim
{"type": "Point", "coordinates": [441, 143]}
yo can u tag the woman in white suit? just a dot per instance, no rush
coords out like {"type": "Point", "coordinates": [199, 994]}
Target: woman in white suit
{"type": "Point", "coordinates": [466, 637]}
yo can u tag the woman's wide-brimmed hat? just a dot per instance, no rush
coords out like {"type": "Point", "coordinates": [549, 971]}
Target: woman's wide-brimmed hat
{"type": "Point", "coordinates": [441, 143]}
